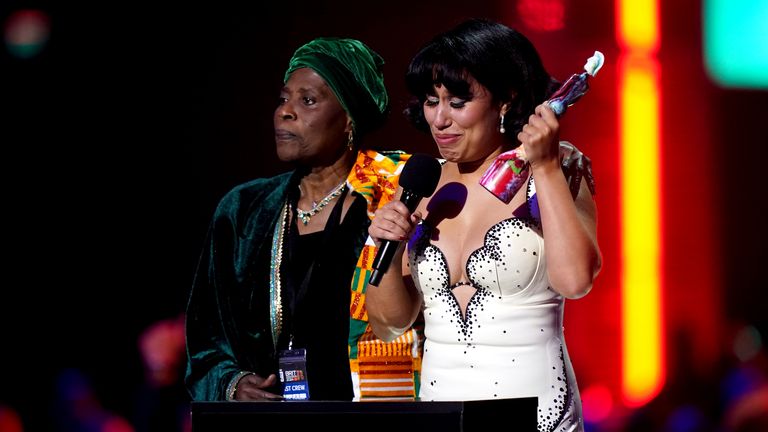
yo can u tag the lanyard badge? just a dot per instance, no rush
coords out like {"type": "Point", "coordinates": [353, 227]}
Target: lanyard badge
{"type": "Point", "coordinates": [293, 374]}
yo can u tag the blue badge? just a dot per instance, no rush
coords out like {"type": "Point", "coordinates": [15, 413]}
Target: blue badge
{"type": "Point", "coordinates": [293, 374]}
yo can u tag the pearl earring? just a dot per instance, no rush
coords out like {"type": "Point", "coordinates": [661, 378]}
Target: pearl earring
{"type": "Point", "coordinates": [501, 125]}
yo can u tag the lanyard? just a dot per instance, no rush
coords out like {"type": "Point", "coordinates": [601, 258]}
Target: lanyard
{"type": "Point", "coordinates": [284, 229]}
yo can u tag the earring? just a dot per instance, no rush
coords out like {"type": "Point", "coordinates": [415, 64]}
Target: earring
{"type": "Point", "coordinates": [350, 141]}
{"type": "Point", "coordinates": [501, 125]}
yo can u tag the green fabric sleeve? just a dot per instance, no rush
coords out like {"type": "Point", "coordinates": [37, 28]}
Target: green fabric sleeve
{"type": "Point", "coordinates": [227, 327]}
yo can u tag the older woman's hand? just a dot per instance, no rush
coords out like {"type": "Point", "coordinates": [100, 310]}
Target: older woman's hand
{"type": "Point", "coordinates": [252, 387]}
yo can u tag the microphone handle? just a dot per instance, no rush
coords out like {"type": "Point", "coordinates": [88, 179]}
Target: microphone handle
{"type": "Point", "coordinates": [388, 248]}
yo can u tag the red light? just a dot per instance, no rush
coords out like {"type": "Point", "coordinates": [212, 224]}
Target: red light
{"type": "Point", "coordinates": [543, 15]}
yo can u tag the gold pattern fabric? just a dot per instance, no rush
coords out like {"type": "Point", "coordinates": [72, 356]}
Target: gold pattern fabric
{"type": "Point", "coordinates": [387, 370]}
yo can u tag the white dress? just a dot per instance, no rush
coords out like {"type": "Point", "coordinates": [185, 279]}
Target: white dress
{"type": "Point", "coordinates": [510, 343]}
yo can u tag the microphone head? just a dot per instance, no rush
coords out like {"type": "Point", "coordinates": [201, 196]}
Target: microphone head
{"type": "Point", "coordinates": [420, 175]}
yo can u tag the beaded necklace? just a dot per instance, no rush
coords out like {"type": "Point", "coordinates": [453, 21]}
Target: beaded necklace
{"type": "Point", "coordinates": [305, 216]}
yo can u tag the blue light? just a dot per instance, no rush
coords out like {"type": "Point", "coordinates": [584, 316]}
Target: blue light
{"type": "Point", "coordinates": [735, 42]}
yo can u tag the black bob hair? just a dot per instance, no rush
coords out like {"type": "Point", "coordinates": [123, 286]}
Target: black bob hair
{"type": "Point", "coordinates": [498, 57]}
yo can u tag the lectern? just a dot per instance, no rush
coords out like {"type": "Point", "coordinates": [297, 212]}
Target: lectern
{"type": "Point", "coordinates": [512, 415]}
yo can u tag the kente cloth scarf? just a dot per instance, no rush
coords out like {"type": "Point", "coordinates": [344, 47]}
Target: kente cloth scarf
{"type": "Point", "coordinates": [383, 370]}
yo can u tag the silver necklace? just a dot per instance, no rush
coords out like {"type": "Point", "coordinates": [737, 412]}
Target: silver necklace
{"type": "Point", "coordinates": [305, 216]}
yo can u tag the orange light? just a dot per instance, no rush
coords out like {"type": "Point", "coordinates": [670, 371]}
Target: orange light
{"type": "Point", "coordinates": [642, 344]}
{"type": "Point", "coordinates": [643, 368]}
{"type": "Point", "coordinates": [637, 24]}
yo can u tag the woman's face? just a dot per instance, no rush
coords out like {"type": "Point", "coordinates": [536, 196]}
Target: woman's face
{"type": "Point", "coordinates": [311, 127]}
{"type": "Point", "coordinates": [465, 129]}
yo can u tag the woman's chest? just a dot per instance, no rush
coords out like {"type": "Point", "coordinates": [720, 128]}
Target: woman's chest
{"type": "Point", "coordinates": [508, 259]}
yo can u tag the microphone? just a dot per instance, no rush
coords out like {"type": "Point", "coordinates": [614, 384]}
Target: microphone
{"type": "Point", "coordinates": [418, 180]}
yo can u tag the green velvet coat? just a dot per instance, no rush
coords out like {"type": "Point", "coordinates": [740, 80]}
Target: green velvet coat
{"type": "Point", "coordinates": [228, 315]}
{"type": "Point", "coordinates": [231, 288]}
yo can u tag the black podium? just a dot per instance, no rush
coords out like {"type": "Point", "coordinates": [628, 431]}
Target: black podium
{"type": "Point", "coordinates": [512, 415]}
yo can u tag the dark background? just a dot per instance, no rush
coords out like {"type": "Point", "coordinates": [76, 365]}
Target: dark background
{"type": "Point", "coordinates": [121, 135]}
{"type": "Point", "coordinates": [118, 140]}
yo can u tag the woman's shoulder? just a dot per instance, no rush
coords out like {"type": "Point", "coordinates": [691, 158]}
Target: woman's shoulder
{"type": "Point", "coordinates": [576, 166]}
{"type": "Point", "coordinates": [262, 185]}
{"type": "Point", "coordinates": [256, 192]}
{"type": "Point", "coordinates": [568, 147]}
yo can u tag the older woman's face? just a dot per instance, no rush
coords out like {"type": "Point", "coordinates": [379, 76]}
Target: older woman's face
{"type": "Point", "coordinates": [465, 129]}
{"type": "Point", "coordinates": [311, 126]}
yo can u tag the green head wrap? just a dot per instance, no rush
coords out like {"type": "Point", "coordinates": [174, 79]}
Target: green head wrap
{"type": "Point", "coordinates": [354, 73]}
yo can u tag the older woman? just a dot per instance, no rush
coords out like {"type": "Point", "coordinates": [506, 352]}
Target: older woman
{"type": "Point", "coordinates": [281, 252]}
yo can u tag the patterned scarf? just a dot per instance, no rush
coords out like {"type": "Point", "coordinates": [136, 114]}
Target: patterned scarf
{"type": "Point", "coordinates": [380, 370]}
